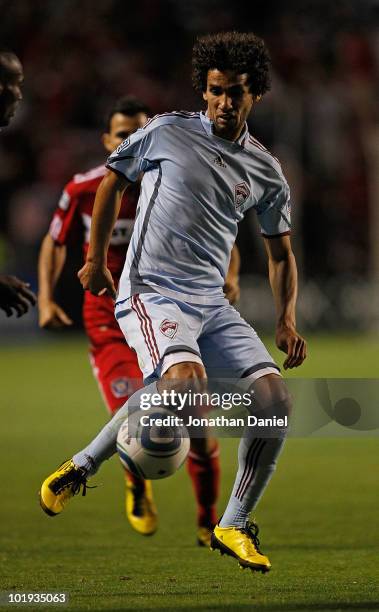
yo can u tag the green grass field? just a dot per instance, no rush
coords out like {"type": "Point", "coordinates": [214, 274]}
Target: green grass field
{"type": "Point", "coordinates": [319, 518]}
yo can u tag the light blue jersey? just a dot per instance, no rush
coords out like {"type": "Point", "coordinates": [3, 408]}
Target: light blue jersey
{"type": "Point", "coordinates": [196, 187]}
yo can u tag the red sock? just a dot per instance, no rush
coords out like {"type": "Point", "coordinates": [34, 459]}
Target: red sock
{"type": "Point", "coordinates": [204, 471]}
{"type": "Point", "coordinates": [136, 480]}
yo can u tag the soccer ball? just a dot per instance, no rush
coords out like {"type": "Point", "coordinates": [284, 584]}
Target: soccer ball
{"type": "Point", "coordinates": [155, 448]}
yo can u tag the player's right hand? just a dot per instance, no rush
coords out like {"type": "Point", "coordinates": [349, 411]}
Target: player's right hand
{"type": "Point", "coordinates": [15, 295]}
{"type": "Point", "coordinates": [232, 289]}
{"type": "Point", "coordinates": [52, 316]}
{"type": "Point", "coordinates": [97, 279]}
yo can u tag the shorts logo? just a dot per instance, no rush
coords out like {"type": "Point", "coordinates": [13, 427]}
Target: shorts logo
{"type": "Point", "coordinates": [120, 387]}
{"type": "Point", "coordinates": [168, 328]}
{"type": "Point", "coordinates": [241, 193]}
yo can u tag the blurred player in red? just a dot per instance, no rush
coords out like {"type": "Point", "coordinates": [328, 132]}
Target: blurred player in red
{"type": "Point", "coordinates": [114, 364]}
{"type": "Point", "coordinates": [15, 295]}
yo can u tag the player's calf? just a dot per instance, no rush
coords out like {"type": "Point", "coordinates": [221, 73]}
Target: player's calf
{"type": "Point", "coordinates": [204, 469]}
{"type": "Point", "coordinates": [139, 504]}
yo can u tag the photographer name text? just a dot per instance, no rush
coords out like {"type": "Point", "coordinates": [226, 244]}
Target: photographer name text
{"type": "Point", "coordinates": [219, 421]}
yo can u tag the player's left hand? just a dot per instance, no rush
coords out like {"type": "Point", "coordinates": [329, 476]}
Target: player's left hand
{"type": "Point", "coordinates": [232, 290]}
{"type": "Point", "coordinates": [290, 342]}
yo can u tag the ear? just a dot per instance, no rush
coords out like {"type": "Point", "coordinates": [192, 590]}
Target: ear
{"type": "Point", "coordinates": [105, 141]}
{"type": "Point", "coordinates": [205, 96]}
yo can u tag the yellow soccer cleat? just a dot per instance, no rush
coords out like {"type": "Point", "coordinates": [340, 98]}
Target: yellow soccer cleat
{"type": "Point", "coordinates": [243, 544]}
{"type": "Point", "coordinates": [60, 486]}
{"type": "Point", "coordinates": [204, 535]}
{"type": "Point", "coordinates": [140, 507]}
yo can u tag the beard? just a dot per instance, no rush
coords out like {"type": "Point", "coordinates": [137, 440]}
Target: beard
{"type": "Point", "coordinates": [6, 112]}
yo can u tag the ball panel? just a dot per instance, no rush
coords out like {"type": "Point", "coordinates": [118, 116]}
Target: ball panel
{"type": "Point", "coordinates": [128, 462]}
{"type": "Point", "coordinates": [144, 455]}
{"type": "Point", "coordinates": [160, 441]}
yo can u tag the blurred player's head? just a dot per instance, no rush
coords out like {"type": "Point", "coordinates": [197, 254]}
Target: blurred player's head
{"type": "Point", "coordinates": [125, 117]}
{"type": "Point", "coordinates": [11, 77]}
{"type": "Point", "coordinates": [231, 70]}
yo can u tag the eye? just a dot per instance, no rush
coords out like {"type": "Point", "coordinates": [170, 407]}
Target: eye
{"type": "Point", "coordinates": [216, 91]}
{"type": "Point", "coordinates": [235, 92]}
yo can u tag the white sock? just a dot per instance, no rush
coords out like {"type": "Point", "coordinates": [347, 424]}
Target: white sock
{"type": "Point", "coordinates": [104, 445]}
{"type": "Point", "coordinates": [257, 459]}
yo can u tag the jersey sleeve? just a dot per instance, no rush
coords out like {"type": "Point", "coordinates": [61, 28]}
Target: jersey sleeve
{"type": "Point", "coordinates": [274, 212]}
{"type": "Point", "coordinates": [136, 154]}
{"type": "Point", "coordinates": [64, 221]}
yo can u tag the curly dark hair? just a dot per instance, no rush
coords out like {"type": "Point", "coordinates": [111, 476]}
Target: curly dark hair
{"type": "Point", "coordinates": [237, 51]}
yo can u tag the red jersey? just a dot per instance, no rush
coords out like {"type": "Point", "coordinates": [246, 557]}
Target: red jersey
{"type": "Point", "coordinates": [72, 218]}
{"type": "Point", "coordinates": [115, 365]}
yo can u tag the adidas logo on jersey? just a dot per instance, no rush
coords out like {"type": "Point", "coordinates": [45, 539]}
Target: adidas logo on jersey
{"type": "Point", "coordinates": [219, 161]}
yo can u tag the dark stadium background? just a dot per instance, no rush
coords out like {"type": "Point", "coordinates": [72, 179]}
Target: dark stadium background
{"type": "Point", "coordinates": [320, 119]}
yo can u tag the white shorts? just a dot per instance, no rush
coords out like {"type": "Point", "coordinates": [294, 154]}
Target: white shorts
{"type": "Point", "coordinates": [165, 331]}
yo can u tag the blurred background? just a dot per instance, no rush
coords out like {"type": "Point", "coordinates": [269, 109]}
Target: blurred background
{"type": "Point", "coordinates": [320, 119]}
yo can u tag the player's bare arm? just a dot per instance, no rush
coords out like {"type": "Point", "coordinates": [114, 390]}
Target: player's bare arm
{"type": "Point", "coordinates": [283, 280]}
{"type": "Point", "coordinates": [15, 295]}
{"type": "Point", "coordinates": [232, 286]}
{"type": "Point", "coordinates": [95, 275]}
{"type": "Point", "coordinates": [52, 257]}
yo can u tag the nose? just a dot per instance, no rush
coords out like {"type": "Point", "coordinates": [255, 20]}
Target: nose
{"type": "Point", "coordinates": [15, 92]}
{"type": "Point", "coordinates": [225, 102]}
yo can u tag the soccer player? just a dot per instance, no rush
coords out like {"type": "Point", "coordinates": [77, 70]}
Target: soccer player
{"type": "Point", "coordinates": [15, 295]}
{"type": "Point", "coordinates": [202, 171]}
{"type": "Point", "coordinates": [115, 365]}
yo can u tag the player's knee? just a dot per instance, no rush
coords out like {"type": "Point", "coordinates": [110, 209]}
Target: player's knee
{"type": "Point", "coordinates": [186, 370]}
{"type": "Point", "coordinates": [184, 379]}
{"type": "Point", "coordinates": [283, 400]}
{"type": "Point", "coordinates": [271, 393]}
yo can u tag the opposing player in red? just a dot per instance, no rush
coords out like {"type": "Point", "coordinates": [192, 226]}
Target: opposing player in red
{"type": "Point", "coordinates": [114, 364]}
{"type": "Point", "coordinates": [15, 295]}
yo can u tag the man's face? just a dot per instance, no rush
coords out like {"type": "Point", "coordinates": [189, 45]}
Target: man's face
{"type": "Point", "coordinates": [11, 78]}
{"type": "Point", "coordinates": [121, 126]}
{"type": "Point", "coordinates": [229, 102]}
